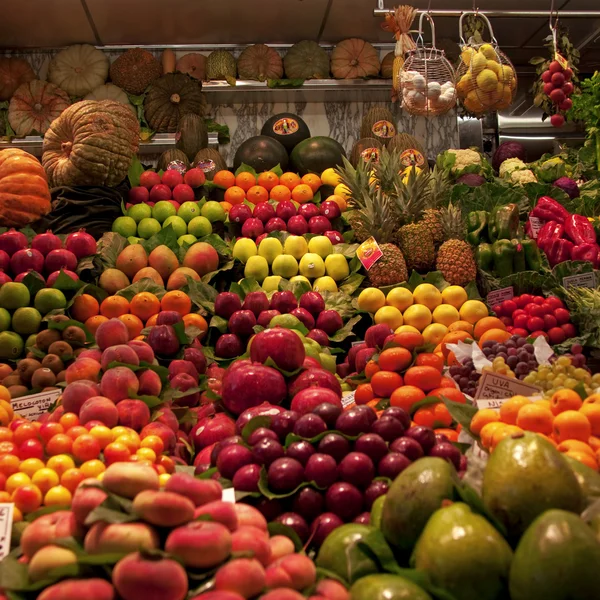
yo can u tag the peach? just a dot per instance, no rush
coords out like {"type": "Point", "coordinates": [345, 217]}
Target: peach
{"type": "Point", "coordinates": [132, 259]}
{"type": "Point", "coordinates": [164, 509]}
{"type": "Point", "coordinates": [182, 366]}
{"type": "Point", "coordinates": [165, 433]}
{"type": "Point", "coordinates": [248, 515]}
{"type": "Point", "coordinates": [164, 260]}
{"type": "Point", "coordinates": [135, 577]}
{"type": "Point", "coordinates": [245, 576]}
{"type": "Point", "coordinates": [134, 414]}
{"type": "Point", "coordinates": [149, 273]}
{"type": "Point", "coordinates": [220, 512]}
{"type": "Point", "coordinates": [120, 537]}
{"type": "Point", "coordinates": [178, 278]}
{"type": "Point", "coordinates": [150, 383]}
{"type": "Point", "coordinates": [282, 594]}
{"type": "Point", "coordinates": [119, 383]}
{"type": "Point", "coordinates": [277, 577]}
{"type": "Point", "coordinates": [200, 544]}
{"type": "Point", "coordinates": [167, 417]}
{"type": "Point", "coordinates": [86, 499]}
{"type": "Point", "coordinates": [143, 350]}
{"type": "Point", "coordinates": [46, 529]}
{"type": "Point", "coordinates": [300, 568]}
{"type": "Point", "coordinates": [332, 590]}
{"type": "Point", "coordinates": [113, 281]}
{"type": "Point", "coordinates": [48, 558]}
{"type": "Point", "coordinates": [248, 538]}
{"type": "Point", "coordinates": [199, 491]}
{"type": "Point", "coordinates": [99, 408]}
{"type": "Point", "coordinates": [281, 546]}
{"type": "Point", "coordinates": [202, 258]}
{"type": "Point", "coordinates": [93, 353]}
{"type": "Point", "coordinates": [129, 479]}
{"type": "Point", "coordinates": [83, 369]}
{"type": "Point", "coordinates": [76, 589]}
{"type": "Point", "coordinates": [76, 393]}
{"type": "Point", "coordinates": [111, 333]}
{"type": "Point", "coordinates": [121, 353]}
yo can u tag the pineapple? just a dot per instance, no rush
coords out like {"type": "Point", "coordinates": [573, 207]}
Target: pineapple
{"type": "Point", "coordinates": [439, 186]}
{"type": "Point", "coordinates": [455, 257]}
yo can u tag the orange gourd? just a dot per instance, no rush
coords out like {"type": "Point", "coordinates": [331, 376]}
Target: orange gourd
{"type": "Point", "coordinates": [13, 72]}
{"type": "Point", "coordinates": [354, 58]}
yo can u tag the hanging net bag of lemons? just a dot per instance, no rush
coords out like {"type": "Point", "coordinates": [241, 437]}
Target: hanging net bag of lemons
{"type": "Point", "coordinates": [486, 79]}
{"type": "Point", "coordinates": [427, 79]}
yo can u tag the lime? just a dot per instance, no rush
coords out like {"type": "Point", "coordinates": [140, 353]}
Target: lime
{"type": "Point", "coordinates": [187, 239]}
{"type": "Point", "coordinates": [30, 341]}
{"type": "Point", "coordinates": [148, 227]}
{"type": "Point", "coordinates": [199, 226]}
{"type": "Point", "coordinates": [188, 210]}
{"type": "Point", "coordinates": [26, 320]}
{"type": "Point", "coordinates": [14, 295]}
{"type": "Point", "coordinates": [49, 299]}
{"type": "Point", "coordinates": [213, 211]}
{"type": "Point", "coordinates": [126, 226]}
{"type": "Point", "coordinates": [4, 319]}
{"type": "Point", "coordinates": [162, 210]}
{"type": "Point", "coordinates": [139, 211]}
{"type": "Point", "coordinates": [11, 344]}
{"type": "Point", "coordinates": [178, 224]}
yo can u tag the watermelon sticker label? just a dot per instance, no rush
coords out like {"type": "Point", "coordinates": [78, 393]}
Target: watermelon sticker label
{"type": "Point", "coordinates": [369, 253]}
{"type": "Point", "coordinates": [412, 158]}
{"type": "Point", "coordinates": [285, 126]}
{"type": "Point", "coordinates": [370, 154]}
{"type": "Point", "coordinates": [206, 165]}
{"type": "Point", "coordinates": [384, 129]}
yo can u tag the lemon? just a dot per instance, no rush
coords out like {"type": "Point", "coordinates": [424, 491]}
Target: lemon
{"type": "Point", "coordinates": [400, 298]}
{"type": "Point", "coordinates": [445, 314]}
{"type": "Point", "coordinates": [427, 295]}
{"type": "Point", "coordinates": [407, 173]}
{"type": "Point", "coordinates": [336, 266]}
{"type": "Point", "coordinates": [271, 283]}
{"type": "Point", "coordinates": [299, 278]}
{"type": "Point", "coordinates": [388, 315]}
{"type": "Point", "coordinates": [371, 299]}
{"type": "Point", "coordinates": [325, 284]}
{"type": "Point", "coordinates": [418, 316]}
{"type": "Point", "coordinates": [330, 177]}
{"type": "Point", "coordinates": [492, 65]}
{"type": "Point", "coordinates": [342, 190]}
{"type": "Point", "coordinates": [466, 55]}
{"type": "Point", "coordinates": [434, 333]}
{"type": "Point", "coordinates": [455, 295]}
{"type": "Point", "coordinates": [488, 51]}
{"type": "Point", "coordinates": [487, 80]}
{"type": "Point", "coordinates": [406, 329]}
{"type": "Point", "coordinates": [505, 74]}
{"type": "Point", "coordinates": [478, 63]}
{"type": "Point", "coordinates": [473, 310]}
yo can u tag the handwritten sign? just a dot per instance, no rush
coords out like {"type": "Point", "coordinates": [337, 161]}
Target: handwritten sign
{"type": "Point", "coordinates": [6, 521]}
{"type": "Point", "coordinates": [587, 280]}
{"type": "Point", "coordinates": [493, 386]}
{"type": "Point", "coordinates": [369, 253]}
{"type": "Point", "coordinates": [228, 495]}
{"type": "Point", "coordinates": [498, 296]}
{"type": "Point", "coordinates": [536, 224]}
{"type": "Point", "coordinates": [32, 407]}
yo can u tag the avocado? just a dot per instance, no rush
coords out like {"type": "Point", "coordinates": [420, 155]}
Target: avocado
{"type": "Point", "coordinates": [377, 511]}
{"type": "Point", "coordinates": [386, 587]}
{"type": "Point", "coordinates": [589, 480]}
{"type": "Point", "coordinates": [525, 476]}
{"type": "Point", "coordinates": [464, 554]}
{"type": "Point", "coordinates": [558, 558]}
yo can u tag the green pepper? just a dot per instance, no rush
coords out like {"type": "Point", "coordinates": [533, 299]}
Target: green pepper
{"type": "Point", "coordinates": [506, 221]}
{"type": "Point", "coordinates": [477, 223]}
{"type": "Point", "coordinates": [533, 257]}
{"type": "Point", "coordinates": [519, 257]}
{"type": "Point", "coordinates": [484, 257]}
{"type": "Point", "coordinates": [504, 254]}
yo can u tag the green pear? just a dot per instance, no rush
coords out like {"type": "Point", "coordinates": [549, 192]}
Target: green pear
{"type": "Point", "coordinates": [464, 554]}
{"type": "Point", "coordinates": [285, 265]}
{"type": "Point", "coordinates": [320, 245]}
{"type": "Point", "coordinates": [296, 246]}
{"type": "Point", "coordinates": [377, 511]}
{"type": "Point", "coordinates": [271, 283]}
{"type": "Point", "coordinates": [327, 361]}
{"type": "Point", "coordinates": [336, 266]}
{"type": "Point", "coordinates": [257, 268]}
{"type": "Point", "coordinates": [312, 266]}
{"type": "Point", "coordinates": [387, 587]}
{"type": "Point", "coordinates": [270, 248]}
{"type": "Point", "coordinates": [243, 249]}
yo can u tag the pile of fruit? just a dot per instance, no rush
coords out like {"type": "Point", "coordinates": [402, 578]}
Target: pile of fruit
{"type": "Point", "coordinates": [558, 87]}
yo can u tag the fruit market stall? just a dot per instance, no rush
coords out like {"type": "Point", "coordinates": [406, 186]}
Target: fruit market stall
{"type": "Point", "coordinates": [297, 362]}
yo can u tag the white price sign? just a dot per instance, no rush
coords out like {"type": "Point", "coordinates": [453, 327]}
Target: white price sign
{"type": "Point", "coordinates": [32, 407]}
{"type": "Point", "coordinates": [495, 388]}
{"type": "Point", "coordinates": [6, 521]}
{"type": "Point", "coordinates": [498, 296]}
{"type": "Point", "coordinates": [587, 280]}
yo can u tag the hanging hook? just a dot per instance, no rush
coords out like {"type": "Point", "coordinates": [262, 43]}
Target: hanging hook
{"type": "Point", "coordinates": [553, 26]}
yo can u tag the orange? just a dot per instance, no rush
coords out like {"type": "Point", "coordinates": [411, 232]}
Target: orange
{"type": "Point", "coordinates": [592, 412]}
{"type": "Point", "coordinates": [84, 307]}
{"type": "Point", "coordinates": [498, 335]}
{"type": "Point", "coordinates": [563, 400]}
{"type": "Point", "coordinates": [408, 339]}
{"type": "Point", "coordinates": [429, 359]}
{"type": "Point", "coordinates": [487, 432]}
{"type": "Point", "coordinates": [144, 305]}
{"type": "Point", "coordinates": [313, 181]}
{"type": "Point", "coordinates": [510, 409]}
{"type": "Point", "coordinates": [234, 195]}
{"type": "Point", "coordinates": [134, 325]}
{"type": "Point", "coordinates": [94, 322]}
{"type": "Point", "coordinates": [481, 418]}
{"type": "Point", "coordinates": [451, 359]}
{"type": "Point", "coordinates": [114, 306]}
{"type": "Point", "coordinates": [544, 403]}
{"type": "Point", "coordinates": [425, 416]}
{"type": "Point", "coordinates": [426, 378]}
{"type": "Point", "coordinates": [506, 431]}
{"type": "Point", "coordinates": [196, 320]}
{"type": "Point", "coordinates": [446, 382]}
{"type": "Point", "coordinates": [572, 425]}
{"type": "Point", "coordinates": [363, 393]}
{"type": "Point", "coordinates": [177, 301]}
{"type": "Point", "coordinates": [594, 443]}
{"type": "Point", "coordinates": [339, 200]}
{"type": "Point", "coordinates": [268, 180]}
{"type": "Point", "coordinates": [442, 417]}
{"type": "Point", "coordinates": [451, 393]}
{"type": "Point", "coordinates": [69, 420]}
{"type": "Point", "coordinates": [245, 180]}
{"type": "Point", "coordinates": [71, 478]}
{"type": "Point", "coordinates": [151, 322]}
{"type": "Point", "coordinates": [486, 324]}
{"type": "Point", "coordinates": [224, 179]}
{"type": "Point", "coordinates": [533, 417]}
{"type": "Point", "coordinates": [451, 434]}
{"type": "Point", "coordinates": [583, 457]}
{"type": "Point", "coordinates": [280, 193]}
{"type": "Point", "coordinates": [226, 206]}
{"type": "Point", "coordinates": [453, 337]}
{"type": "Point", "coordinates": [395, 359]}
{"type": "Point", "coordinates": [302, 193]}
{"type": "Point", "coordinates": [406, 396]}
{"type": "Point", "coordinates": [593, 399]}
{"type": "Point", "coordinates": [371, 368]}
{"type": "Point", "coordinates": [385, 382]}
{"type": "Point", "coordinates": [577, 446]}
{"type": "Point", "coordinates": [290, 180]}
{"type": "Point", "coordinates": [257, 193]}
{"type": "Point", "coordinates": [461, 326]}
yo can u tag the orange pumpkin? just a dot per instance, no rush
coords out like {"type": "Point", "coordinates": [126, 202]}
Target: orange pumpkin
{"type": "Point", "coordinates": [193, 64]}
{"type": "Point", "coordinates": [24, 193]}
{"type": "Point", "coordinates": [260, 62]}
{"type": "Point", "coordinates": [13, 72]}
{"type": "Point", "coordinates": [354, 58]}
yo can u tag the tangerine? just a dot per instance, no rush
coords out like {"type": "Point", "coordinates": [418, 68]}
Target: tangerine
{"type": "Point", "coordinates": [268, 180]}
{"type": "Point", "coordinates": [224, 179]}
{"type": "Point", "coordinates": [151, 322]}
{"type": "Point", "coordinates": [572, 425]}
{"type": "Point", "coordinates": [84, 307]}
{"type": "Point", "coordinates": [234, 195]}
{"type": "Point", "coordinates": [280, 193]}
{"type": "Point", "coordinates": [583, 457]}
{"type": "Point", "coordinates": [425, 416]}
{"type": "Point", "coordinates": [577, 446]}
{"type": "Point", "coordinates": [177, 301]}
{"type": "Point", "coordinates": [371, 368]}
{"type": "Point", "coordinates": [257, 193]}
{"type": "Point", "coordinates": [510, 409]}
{"type": "Point", "coordinates": [451, 393]}
{"type": "Point", "coordinates": [245, 180]}
{"type": "Point", "coordinates": [395, 359]}
{"type": "Point", "coordinates": [114, 306]}
{"type": "Point", "coordinates": [533, 417]}
{"type": "Point", "coordinates": [592, 412]}
{"type": "Point", "coordinates": [406, 397]}
{"type": "Point", "coordinates": [363, 393]}
{"type": "Point", "coordinates": [461, 326]}
{"type": "Point", "coordinates": [134, 325]}
{"type": "Point", "coordinates": [290, 180]}
{"type": "Point", "coordinates": [226, 206]}
{"type": "Point", "coordinates": [313, 181]}
{"type": "Point", "coordinates": [497, 335]}
{"type": "Point", "coordinates": [453, 337]}
{"type": "Point", "coordinates": [447, 382]}
{"type": "Point", "coordinates": [302, 193]}
{"type": "Point", "coordinates": [430, 359]}
{"type": "Point", "coordinates": [384, 383]}
{"type": "Point", "coordinates": [144, 305]}
{"type": "Point", "coordinates": [426, 378]}
{"type": "Point", "coordinates": [198, 321]}
{"type": "Point", "coordinates": [409, 339]}
{"type": "Point", "coordinates": [451, 434]}
{"type": "Point", "coordinates": [486, 324]}
{"type": "Point", "coordinates": [339, 200]}
{"type": "Point", "coordinates": [483, 417]}
{"type": "Point", "coordinates": [94, 322]}
{"type": "Point", "coordinates": [506, 431]}
{"type": "Point", "coordinates": [564, 400]}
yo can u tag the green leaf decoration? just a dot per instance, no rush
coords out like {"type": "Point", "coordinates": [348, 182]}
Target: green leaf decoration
{"type": "Point", "coordinates": [135, 172]}
{"type": "Point", "coordinates": [219, 323]}
{"type": "Point", "coordinates": [427, 401]}
{"type": "Point", "coordinates": [142, 285]}
{"type": "Point", "coordinates": [277, 170]}
{"type": "Point", "coordinates": [201, 294]}
{"type": "Point", "coordinates": [340, 302]}
{"type": "Point", "coordinates": [108, 249]}
{"type": "Point", "coordinates": [254, 424]}
{"type": "Point", "coordinates": [348, 250]}
{"type": "Point", "coordinates": [165, 237]}
{"type": "Point", "coordinates": [244, 168]}
{"type": "Point", "coordinates": [66, 284]}
{"type": "Point", "coordinates": [296, 287]}
{"type": "Point", "coordinates": [34, 283]}
{"type": "Point", "coordinates": [346, 331]}
{"type": "Point", "coordinates": [351, 284]}
{"type": "Point", "coordinates": [249, 285]}
{"type": "Point", "coordinates": [461, 413]}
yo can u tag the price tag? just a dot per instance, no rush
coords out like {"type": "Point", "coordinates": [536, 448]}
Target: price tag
{"type": "Point", "coordinates": [536, 224]}
{"type": "Point", "coordinates": [495, 387]}
{"type": "Point", "coordinates": [498, 296]}
{"type": "Point", "coordinates": [491, 403]}
{"type": "Point", "coordinates": [562, 61]}
{"type": "Point", "coordinates": [347, 399]}
{"type": "Point", "coordinates": [32, 407]}
{"type": "Point", "coordinates": [228, 495]}
{"type": "Point", "coordinates": [587, 280]}
{"type": "Point", "coordinates": [6, 521]}
{"type": "Point", "coordinates": [369, 253]}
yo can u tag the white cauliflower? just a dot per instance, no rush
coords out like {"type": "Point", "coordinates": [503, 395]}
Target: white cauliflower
{"type": "Point", "coordinates": [459, 162]}
{"type": "Point", "coordinates": [509, 166]}
{"type": "Point", "coordinates": [464, 158]}
{"type": "Point", "coordinates": [521, 177]}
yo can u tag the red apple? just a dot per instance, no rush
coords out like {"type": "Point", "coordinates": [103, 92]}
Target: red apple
{"type": "Point", "coordinates": [282, 346]}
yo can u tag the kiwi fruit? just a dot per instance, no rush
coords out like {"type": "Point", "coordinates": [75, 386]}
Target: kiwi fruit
{"type": "Point", "coordinates": [13, 379]}
{"type": "Point", "coordinates": [30, 355]}
{"type": "Point", "coordinates": [74, 334]}
{"type": "Point", "coordinates": [26, 368]}
{"type": "Point", "coordinates": [62, 349]}
{"type": "Point", "coordinates": [53, 362]}
{"type": "Point", "coordinates": [16, 391]}
{"type": "Point", "coordinates": [60, 377]}
{"type": "Point", "coordinates": [47, 337]}
{"type": "Point", "coordinates": [42, 378]}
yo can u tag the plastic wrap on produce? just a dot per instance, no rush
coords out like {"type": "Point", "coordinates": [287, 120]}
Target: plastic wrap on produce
{"type": "Point", "coordinates": [542, 350]}
{"type": "Point", "coordinates": [464, 352]}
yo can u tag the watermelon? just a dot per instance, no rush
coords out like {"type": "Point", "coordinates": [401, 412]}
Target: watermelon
{"type": "Point", "coordinates": [287, 128]}
{"type": "Point", "coordinates": [316, 154]}
{"type": "Point", "coordinates": [262, 153]}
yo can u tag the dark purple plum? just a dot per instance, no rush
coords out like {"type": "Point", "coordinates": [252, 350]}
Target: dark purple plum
{"type": "Point", "coordinates": [246, 478]}
{"type": "Point", "coordinates": [270, 509]}
{"type": "Point", "coordinates": [335, 445]}
{"type": "Point", "coordinates": [308, 503]}
{"type": "Point", "coordinates": [357, 468]}
{"type": "Point", "coordinates": [447, 451]}
{"type": "Point", "coordinates": [322, 469]}
{"type": "Point", "coordinates": [373, 445]}
{"type": "Point", "coordinates": [260, 433]}
{"type": "Point", "coordinates": [232, 458]}
{"type": "Point", "coordinates": [229, 441]}
{"type": "Point", "coordinates": [424, 435]}
{"type": "Point", "coordinates": [328, 412]}
{"type": "Point", "coordinates": [301, 451]}
{"type": "Point", "coordinates": [397, 413]}
{"type": "Point", "coordinates": [285, 475]}
{"type": "Point", "coordinates": [353, 422]}
{"type": "Point", "coordinates": [407, 446]}
{"type": "Point", "coordinates": [284, 422]}
{"type": "Point", "coordinates": [323, 525]}
{"type": "Point", "coordinates": [266, 451]}
{"type": "Point", "coordinates": [441, 437]}
{"type": "Point", "coordinates": [392, 465]}
{"type": "Point", "coordinates": [369, 412]}
{"type": "Point", "coordinates": [388, 428]}
{"type": "Point", "coordinates": [309, 425]}
{"type": "Point", "coordinates": [364, 518]}
{"type": "Point", "coordinates": [296, 522]}
{"type": "Point", "coordinates": [376, 489]}
{"type": "Point", "coordinates": [345, 500]}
